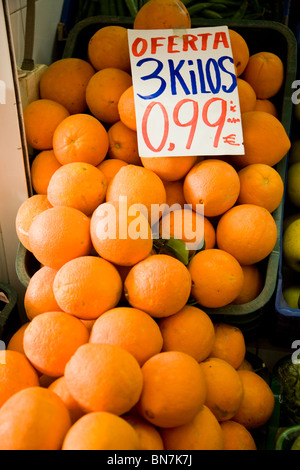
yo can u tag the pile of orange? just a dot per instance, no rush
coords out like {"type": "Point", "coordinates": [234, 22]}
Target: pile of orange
{"type": "Point", "coordinates": [109, 314]}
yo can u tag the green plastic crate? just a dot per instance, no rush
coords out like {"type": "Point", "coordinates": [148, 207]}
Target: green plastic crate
{"type": "Point", "coordinates": [260, 35]}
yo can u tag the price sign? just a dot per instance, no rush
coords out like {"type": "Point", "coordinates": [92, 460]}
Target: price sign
{"type": "Point", "coordinates": [185, 92]}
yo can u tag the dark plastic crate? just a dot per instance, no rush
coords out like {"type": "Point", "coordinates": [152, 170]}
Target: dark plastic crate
{"type": "Point", "coordinates": [9, 316]}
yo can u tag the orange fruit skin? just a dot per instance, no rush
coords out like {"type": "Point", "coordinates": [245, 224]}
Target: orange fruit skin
{"type": "Point", "coordinates": [79, 185]}
{"type": "Point", "coordinates": [124, 249]}
{"type": "Point", "coordinates": [126, 109]}
{"type": "Point", "coordinates": [169, 168]}
{"type": "Point", "coordinates": [240, 51]}
{"type": "Point", "coordinates": [160, 285]}
{"type": "Point", "coordinates": [100, 430]}
{"type": "Point", "coordinates": [217, 277]}
{"type": "Point", "coordinates": [16, 341]}
{"type": "Point", "coordinates": [160, 14]}
{"type": "Point", "coordinates": [253, 284]}
{"type": "Point", "coordinates": [190, 330]}
{"type": "Point", "coordinates": [129, 328]}
{"type": "Point", "coordinates": [65, 81]}
{"type": "Point", "coordinates": [248, 232]}
{"type": "Point", "coordinates": [41, 117]}
{"type": "Point", "coordinates": [266, 105]}
{"type": "Point", "coordinates": [28, 210]}
{"type": "Point", "coordinates": [51, 339]}
{"type": "Point", "coordinates": [247, 96]}
{"type": "Point", "coordinates": [224, 388]}
{"type": "Point", "coordinates": [260, 184]}
{"type": "Point", "coordinates": [139, 186]}
{"type": "Point", "coordinates": [110, 167]}
{"type": "Point", "coordinates": [229, 344]}
{"type": "Point", "coordinates": [213, 183]}
{"type": "Point", "coordinates": [265, 139]}
{"type": "Point", "coordinates": [173, 391]}
{"type": "Point", "coordinates": [203, 432]}
{"type": "Point", "coordinates": [39, 296]}
{"type": "Point", "coordinates": [33, 419]}
{"type": "Point", "coordinates": [87, 286]}
{"type": "Point", "coordinates": [104, 377]}
{"type": "Point", "coordinates": [59, 387]}
{"type": "Point", "coordinates": [104, 91]}
{"type": "Point", "coordinates": [80, 138]}
{"type": "Point", "coordinates": [236, 436]}
{"type": "Point", "coordinates": [123, 143]}
{"type": "Point", "coordinates": [258, 401]}
{"type": "Point", "coordinates": [108, 47]}
{"type": "Point", "coordinates": [42, 168]}
{"type": "Point", "coordinates": [16, 373]}
{"type": "Point", "coordinates": [265, 73]}
{"type": "Point", "coordinates": [149, 436]}
{"type": "Point", "coordinates": [58, 235]}
{"type": "Point", "coordinates": [187, 225]}
{"type": "Point", "coordinates": [174, 193]}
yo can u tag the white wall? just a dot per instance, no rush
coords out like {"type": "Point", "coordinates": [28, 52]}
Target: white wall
{"type": "Point", "coordinates": [47, 17]}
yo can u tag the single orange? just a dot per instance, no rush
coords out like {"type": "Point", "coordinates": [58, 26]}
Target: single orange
{"type": "Point", "coordinates": [247, 96]}
{"type": "Point", "coordinates": [131, 329]}
{"type": "Point", "coordinates": [65, 81]}
{"type": "Point", "coordinates": [229, 344]}
{"type": "Point", "coordinates": [79, 185]}
{"type": "Point", "coordinates": [258, 401]}
{"type": "Point", "coordinates": [28, 210]}
{"type": "Point", "coordinates": [190, 330]}
{"type": "Point", "coordinates": [59, 387]}
{"type": "Point", "coordinates": [51, 339]}
{"type": "Point", "coordinates": [103, 93]}
{"type": "Point", "coordinates": [104, 377]}
{"type": "Point", "coordinates": [126, 108]}
{"type": "Point", "coordinates": [123, 143]}
{"type": "Point", "coordinates": [58, 235]}
{"type": "Point", "coordinates": [248, 232]}
{"type": "Point", "coordinates": [240, 51]}
{"type": "Point", "coordinates": [42, 168]}
{"type": "Point", "coordinates": [266, 105]}
{"type": "Point", "coordinates": [100, 430]}
{"type": "Point", "coordinates": [265, 139]}
{"type": "Point", "coordinates": [16, 341]}
{"type": "Point", "coordinates": [174, 389]}
{"type": "Point", "coordinates": [160, 285]}
{"type": "Point", "coordinates": [262, 185]}
{"type": "Point", "coordinates": [39, 296]}
{"type": "Point", "coordinates": [169, 168]}
{"type": "Point", "coordinates": [217, 277]}
{"type": "Point", "coordinates": [110, 167]}
{"type": "Point", "coordinates": [16, 373]}
{"type": "Point", "coordinates": [253, 284]}
{"type": "Point", "coordinates": [224, 388]}
{"type": "Point", "coordinates": [203, 432]}
{"type": "Point", "coordinates": [88, 296]}
{"type": "Point", "coordinates": [149, 436]}
{"type": "Point", "coordinates": [265, 73]}
{"type": "Point", "coordinates": [162, 14]}
{"type": "Point", "coordinates": [33, 419]}
{"type": "Point", "coordinates": [108, 47]}
{"type": "Point", "coordinates": [41, 118]}
{"type": "Point", "coordinates": [236, 436]}
{"type": "Point", "coordinates": [213, 183]}
{"type": "Point", "coordinates": [174, 193]}
{"type": "Point", "coordinates": [80, 138]}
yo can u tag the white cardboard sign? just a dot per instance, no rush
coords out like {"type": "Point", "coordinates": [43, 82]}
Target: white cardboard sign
{"type": "Point", "coordinates": [185, 92]}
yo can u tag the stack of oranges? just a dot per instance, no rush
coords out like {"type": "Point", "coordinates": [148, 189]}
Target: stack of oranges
{"type": "Point", "coordinates": [116, 356]}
